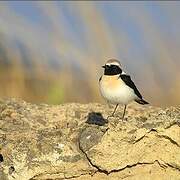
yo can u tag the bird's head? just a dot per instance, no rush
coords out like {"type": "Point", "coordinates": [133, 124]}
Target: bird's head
{"type": "Point", "coordinates": [112, 67]}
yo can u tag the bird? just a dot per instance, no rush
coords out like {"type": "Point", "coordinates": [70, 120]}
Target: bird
{"type": "Point", "coordinates": [117, 87]}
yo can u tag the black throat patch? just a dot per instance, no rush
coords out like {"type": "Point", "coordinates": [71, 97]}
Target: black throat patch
{"type": "Point", "coordinates": [112, 70]}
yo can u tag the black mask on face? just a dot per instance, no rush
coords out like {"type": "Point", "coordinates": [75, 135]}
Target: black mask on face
{"type": "Point", "coordinates": [112, 70]}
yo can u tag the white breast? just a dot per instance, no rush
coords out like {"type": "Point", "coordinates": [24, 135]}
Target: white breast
{"type": "Point", "coordinates": [115, 90]}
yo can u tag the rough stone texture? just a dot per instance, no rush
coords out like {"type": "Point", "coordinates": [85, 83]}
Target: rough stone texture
{"type": "Point", "coordinates": [74, 141]}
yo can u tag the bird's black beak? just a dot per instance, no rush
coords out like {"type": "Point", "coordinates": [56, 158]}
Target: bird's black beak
{"type": "Point", "coordinates": [104, 66]}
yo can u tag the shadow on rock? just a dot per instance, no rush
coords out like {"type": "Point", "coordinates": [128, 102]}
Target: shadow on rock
{"type": "Point", "coordinates": [96, 118]}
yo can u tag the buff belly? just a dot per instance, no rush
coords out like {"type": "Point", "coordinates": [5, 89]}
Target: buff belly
{"type": "Point", "coordinates": [116, 91]}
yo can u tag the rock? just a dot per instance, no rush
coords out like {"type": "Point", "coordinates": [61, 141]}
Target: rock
{"type": "Point", "coordinates": [75, 141]}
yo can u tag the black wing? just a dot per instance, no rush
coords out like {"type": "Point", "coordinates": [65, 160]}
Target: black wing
{"type": "Point", "coordinates": [100, 78]}
{"type": "Point", "coordinates": [129, 82]}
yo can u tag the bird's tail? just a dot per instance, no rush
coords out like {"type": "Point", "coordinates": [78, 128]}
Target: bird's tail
{"type": "Point", "coordinates": [141, 101]}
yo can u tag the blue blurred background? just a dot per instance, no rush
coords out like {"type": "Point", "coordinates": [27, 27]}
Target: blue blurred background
{"type": "Point", "coordinates": [53, 51]}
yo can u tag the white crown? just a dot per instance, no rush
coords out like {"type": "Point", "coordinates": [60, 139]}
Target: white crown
{"type": "Point", "coordinates": [113, 62]}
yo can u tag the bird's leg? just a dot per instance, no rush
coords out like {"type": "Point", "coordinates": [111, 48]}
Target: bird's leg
{"type": "Point", "coordinates": [124, 112]}
{"type": "Point", "coordinates": [113, 111]}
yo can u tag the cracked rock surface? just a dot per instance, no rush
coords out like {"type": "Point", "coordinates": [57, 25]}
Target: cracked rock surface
{"type": "Point", "coordinates": [75, 141]}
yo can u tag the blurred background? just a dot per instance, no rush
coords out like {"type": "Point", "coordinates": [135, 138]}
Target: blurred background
{"type": "Point", "coordinates": [52, 52]}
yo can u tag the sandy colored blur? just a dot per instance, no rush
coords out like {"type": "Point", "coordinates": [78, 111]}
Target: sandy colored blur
{"type": "Point", "coordinates": [49, 64]}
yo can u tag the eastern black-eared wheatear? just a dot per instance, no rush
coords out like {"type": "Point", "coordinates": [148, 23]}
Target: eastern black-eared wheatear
{"type": "Point", "coordinates": [117, 87]}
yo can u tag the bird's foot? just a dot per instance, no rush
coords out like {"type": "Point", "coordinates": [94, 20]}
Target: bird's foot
{"type": "Point", "coordinates": [123, 118]}
{"type": "Point", "coordinates": [111, 116]}
{"type": "Point", "coordinates": [113, 122]}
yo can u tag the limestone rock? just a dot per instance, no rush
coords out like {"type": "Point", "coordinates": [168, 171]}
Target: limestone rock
{"type": "Point", "coordinates": [75, 141]}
